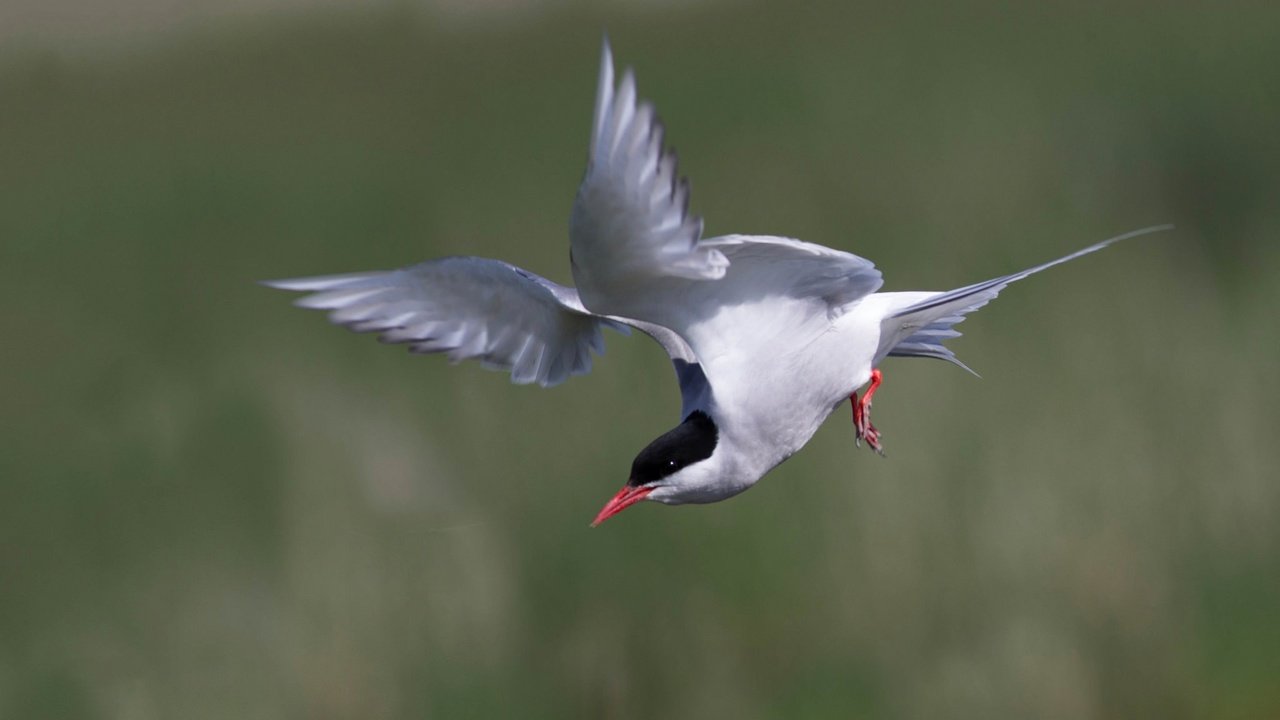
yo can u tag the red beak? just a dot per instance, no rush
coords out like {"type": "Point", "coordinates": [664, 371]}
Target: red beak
{"type": "Point", "coordinates": [625, 498]}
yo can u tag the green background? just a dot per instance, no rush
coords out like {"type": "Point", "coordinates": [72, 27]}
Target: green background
{"type": "Point", "coordinates": [214, 505]}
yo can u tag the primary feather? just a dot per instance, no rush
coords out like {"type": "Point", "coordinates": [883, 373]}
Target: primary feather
{"type": "Point", "coordinates": [467, 308]}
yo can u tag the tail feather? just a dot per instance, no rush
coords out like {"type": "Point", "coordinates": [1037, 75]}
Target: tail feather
{"type": "Point", "coordinates": [927, 342]}
{"type": "Point", "coordinates": [919, 329]}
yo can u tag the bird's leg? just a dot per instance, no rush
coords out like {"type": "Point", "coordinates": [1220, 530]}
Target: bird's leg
{"type": "Point", "coordinates": [863, 429]}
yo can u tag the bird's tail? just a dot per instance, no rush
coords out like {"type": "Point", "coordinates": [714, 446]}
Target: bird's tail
{"type": "Point", "coordinates": [926, 320]}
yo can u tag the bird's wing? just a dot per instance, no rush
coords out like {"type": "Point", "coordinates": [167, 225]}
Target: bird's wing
{"type": "Point", "coordinates": [637, 253]}
{"type": "Point", "coordinates": [631, 219]}
{"type": "Point", "coordinates": [763, 265]}
{"type": "Point", "coordinates": [467, 307]}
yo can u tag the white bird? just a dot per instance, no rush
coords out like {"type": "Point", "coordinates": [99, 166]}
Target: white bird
{"type": "Point", "coordinates": [768, 335]}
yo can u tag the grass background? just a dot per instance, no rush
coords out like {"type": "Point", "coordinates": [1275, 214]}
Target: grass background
{"type": "Point", "coordinates": [213, 505]}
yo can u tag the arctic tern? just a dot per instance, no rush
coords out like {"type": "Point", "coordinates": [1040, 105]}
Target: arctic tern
{"type": "Point", "coordinates": [768, 335]}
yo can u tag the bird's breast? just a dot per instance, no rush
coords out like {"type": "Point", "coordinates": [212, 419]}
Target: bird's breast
{"type": "Point", "coordinates": [777, 399]}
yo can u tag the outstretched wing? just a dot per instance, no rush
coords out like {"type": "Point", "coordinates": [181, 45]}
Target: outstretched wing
{"type": "Point", "coordinates": [638, 253]}
{"type": "Point", "coordinates": [468, 308]}
{"type": "Point", "coordinates": [631, 221]}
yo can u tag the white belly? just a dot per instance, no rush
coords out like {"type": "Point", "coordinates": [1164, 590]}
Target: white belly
{"type": "Point", "coordinates": [772, 399]}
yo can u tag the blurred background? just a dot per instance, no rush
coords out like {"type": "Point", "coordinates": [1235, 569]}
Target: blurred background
{"type": "Point", "coordinates": [215, 505]}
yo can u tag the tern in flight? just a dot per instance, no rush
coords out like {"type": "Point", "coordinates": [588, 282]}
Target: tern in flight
{"type": "Point", "coordinates": [768, 334]}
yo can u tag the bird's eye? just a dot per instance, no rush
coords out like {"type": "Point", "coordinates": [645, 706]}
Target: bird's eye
{"type": "Point", "coordinates": [672, 464]}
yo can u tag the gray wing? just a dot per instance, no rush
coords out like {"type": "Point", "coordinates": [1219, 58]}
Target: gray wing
{"type": "Point", "coordinates": [468, 308]}
{"type": "Point", "coordinates": [630, 222]}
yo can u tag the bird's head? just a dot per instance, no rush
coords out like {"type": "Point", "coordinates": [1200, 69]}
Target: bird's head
{"type": "Point", "coordinates": [678, 467]}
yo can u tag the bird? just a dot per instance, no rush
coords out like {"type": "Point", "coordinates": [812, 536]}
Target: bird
{"type": "Point", "coordinates": [767, 335]}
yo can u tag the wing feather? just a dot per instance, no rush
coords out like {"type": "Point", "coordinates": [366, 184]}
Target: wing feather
{"type": "Point", "coordinates": [630, 221]}
{"type": "Point", "coordinates": [467, 308]}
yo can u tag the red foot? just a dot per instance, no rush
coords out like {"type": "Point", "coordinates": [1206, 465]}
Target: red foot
{"type": "Point", "coordinates": [862, 426]}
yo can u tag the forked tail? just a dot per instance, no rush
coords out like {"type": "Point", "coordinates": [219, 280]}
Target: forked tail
{"type": "Point", "coordinates": [920, 328]}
